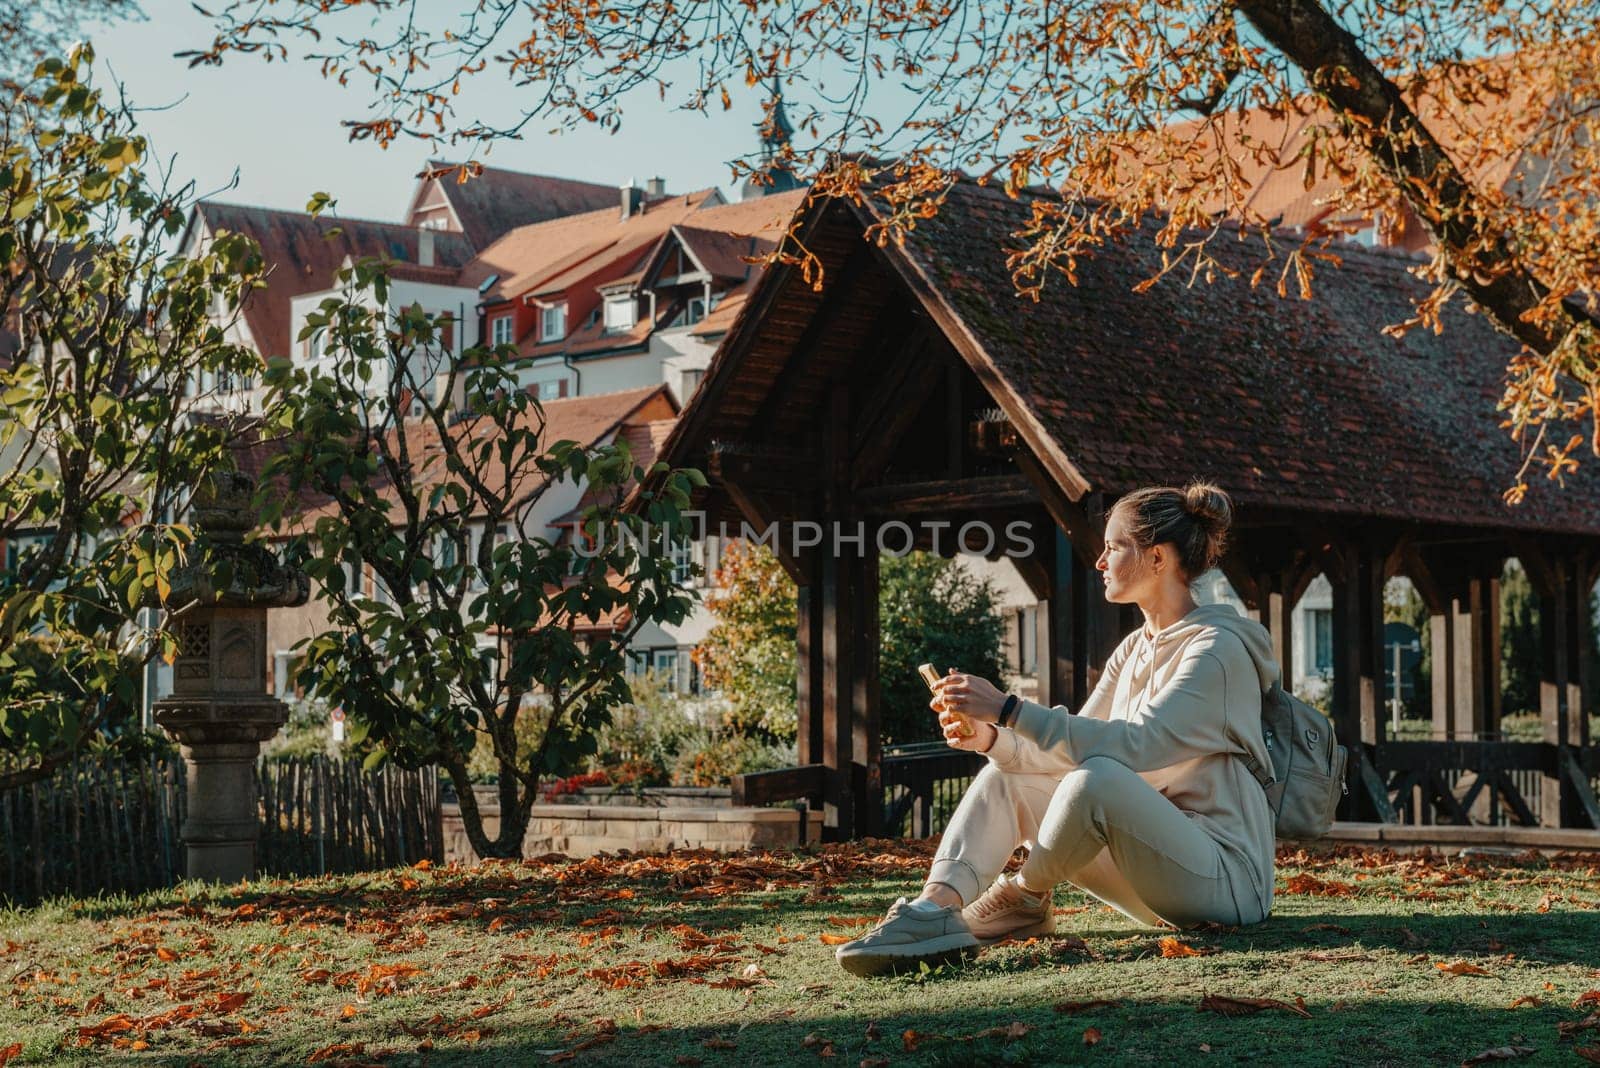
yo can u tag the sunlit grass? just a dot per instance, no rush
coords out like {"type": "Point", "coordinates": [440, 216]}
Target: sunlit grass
{"type": "Point", "coordinates": [719, 960]}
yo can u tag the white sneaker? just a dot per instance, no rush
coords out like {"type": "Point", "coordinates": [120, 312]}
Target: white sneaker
{"type": "Point", "coordinates": [1005, 910]}
{"type": "Point", "coordinates": [905, 936]}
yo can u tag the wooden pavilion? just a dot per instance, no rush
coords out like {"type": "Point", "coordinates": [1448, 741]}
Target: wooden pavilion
{"type": "Point", "coordinates": [914, 394]}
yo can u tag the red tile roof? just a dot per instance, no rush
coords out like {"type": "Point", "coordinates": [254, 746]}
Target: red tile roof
{"type": "Point", "coordinates": [495, 201]}
{"type": "Point", "coordinates": [585, 252]}
{"type": "Point", "coordinates": [549, 256]}
{"type": "Point", "coordinates": [302, 258]}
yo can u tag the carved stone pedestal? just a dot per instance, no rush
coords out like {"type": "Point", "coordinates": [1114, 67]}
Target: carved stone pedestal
{"type": "Point", "coordinates": [219, 708]}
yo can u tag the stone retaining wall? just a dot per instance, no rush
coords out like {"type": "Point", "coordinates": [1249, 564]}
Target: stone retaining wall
{"type": "Point", "coordinates": [1403, 837]}
{"type": "Point", "coordinates": [584, 830]}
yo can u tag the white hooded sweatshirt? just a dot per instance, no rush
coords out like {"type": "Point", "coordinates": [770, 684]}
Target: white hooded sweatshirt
{"type": "Point", "coordinates": [1180, 707]}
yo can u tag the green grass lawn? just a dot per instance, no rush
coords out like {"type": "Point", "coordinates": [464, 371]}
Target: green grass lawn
{"type": "Point", "coordinates": [699, 959]}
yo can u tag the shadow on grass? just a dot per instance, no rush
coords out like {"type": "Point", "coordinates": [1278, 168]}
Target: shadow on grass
{"type": "Point", "coordinates": [1374, 1031]}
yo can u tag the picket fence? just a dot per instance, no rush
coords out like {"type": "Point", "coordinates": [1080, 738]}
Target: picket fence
{"type": "Point", "coordinates": [114, 826]}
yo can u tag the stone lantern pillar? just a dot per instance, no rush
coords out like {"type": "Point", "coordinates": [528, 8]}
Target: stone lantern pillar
{"type": "Point", "coordinates": [219, 709]}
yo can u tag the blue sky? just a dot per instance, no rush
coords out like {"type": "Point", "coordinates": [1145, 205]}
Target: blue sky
{"type": "Point", "coordinates": [278, 124]}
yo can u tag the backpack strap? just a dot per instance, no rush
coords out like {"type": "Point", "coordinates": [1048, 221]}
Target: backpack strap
{"type": "Point", "coordinates": [1263, 775]}
{"type": "Point", "coordinates": [1253, 766]}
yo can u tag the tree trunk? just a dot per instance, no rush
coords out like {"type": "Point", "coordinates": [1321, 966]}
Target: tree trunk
{"type": "Point", "coordinates": [1386, 127]}
{"type": "Point", "coordinates": [507, 845]}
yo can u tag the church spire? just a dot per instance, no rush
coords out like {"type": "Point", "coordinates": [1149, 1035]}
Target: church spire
{"type": "Point", "coordinates": [778, 175]}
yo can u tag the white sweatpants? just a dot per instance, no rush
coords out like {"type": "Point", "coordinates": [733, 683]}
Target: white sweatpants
{"type": "Point", "coordinates": [1101, 828]}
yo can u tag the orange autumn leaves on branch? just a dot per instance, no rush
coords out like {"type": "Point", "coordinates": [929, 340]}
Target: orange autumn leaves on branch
{"type": "Point", "coordinates": [1388, 115]}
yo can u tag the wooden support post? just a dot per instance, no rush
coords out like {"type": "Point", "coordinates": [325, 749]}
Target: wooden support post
{"type": "Point", "coordinates": [808, 666]}
{"type": "Point", "coordinates": [1579, 639]}
{"type": "Point", "coordinates": [955, 418]}
{"type": "Point", "coordinates": [1488, 652]}
{"type": "Point", "coordinates": [1358, 673]}
{"type": "Point", "coordinates": [838, 810]}
{"type": "Point", "coordinates": [866, 765]}
{"type": "Point", "coordinates": [1056, 660]}
{"type": "Point", "coordinates": [1441, 640]}
{"type": "Point", "coordinates": [1562, 576]}
{"type": "Point", "coordinates": [850, 738]}
{"type": "Point", "coordinates": [1462, 591]}
{"type": "Point", "coordinates": [1277, 615]}
{"type": "Point", "coordinates": [1468, 611]}
{"type": "Point", "coordinates": [1102, 623]}
{"type": "Point", "coordinates": [1271, 574]}
{"type": "Point", "coordinates": [1551, 579]}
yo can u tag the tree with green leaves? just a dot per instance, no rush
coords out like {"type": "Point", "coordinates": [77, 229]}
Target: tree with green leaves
{"type": "Point", "coordinates": [929, 609]}
{"type": "Point", "coordinates": [33, 30]}
{"type": "Point", "coordinates": [1472, 121]}
{"type": "Point", "coordinates": [748, 654]}
{"type": "Point", "coordinates": [101, 435]}
{"type": "Point", "coordinates": [428, 472]}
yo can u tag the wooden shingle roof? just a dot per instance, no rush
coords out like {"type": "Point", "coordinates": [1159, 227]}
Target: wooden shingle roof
{"type": "Point", "coordinates": [1292, 405]}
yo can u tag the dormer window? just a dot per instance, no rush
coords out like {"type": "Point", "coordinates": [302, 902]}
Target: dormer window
{"type": "Point", "coordinates": [622, 312]}
{"type": "Point", "coordinates": [500, 330]}
{"type": "Point", "coordinates": [553, 322]}
{"type": "Point", "coordinates": [695, 311]}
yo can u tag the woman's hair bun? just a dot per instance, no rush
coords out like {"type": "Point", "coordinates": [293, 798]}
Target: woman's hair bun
{"type": "Point", "coordinates": [1208, 503]}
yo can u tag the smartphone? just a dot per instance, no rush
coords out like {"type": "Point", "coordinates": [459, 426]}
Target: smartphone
{"type": "Point", "coordinates": [930, 675]}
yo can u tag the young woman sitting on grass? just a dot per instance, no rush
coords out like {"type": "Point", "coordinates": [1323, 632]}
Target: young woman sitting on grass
{"type": "Point", "coordinates": [1141, 798]}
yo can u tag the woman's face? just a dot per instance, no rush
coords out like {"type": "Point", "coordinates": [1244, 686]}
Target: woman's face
{"type": "Point", "coordinates": [1129, 576]}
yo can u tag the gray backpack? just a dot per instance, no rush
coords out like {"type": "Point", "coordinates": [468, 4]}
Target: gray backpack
{"type": "Point", "coordinates": [1306, 779]}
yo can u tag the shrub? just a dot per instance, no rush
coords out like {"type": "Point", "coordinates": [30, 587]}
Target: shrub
{"type": "Point", "coordinates": [720, 755]}
{"type": "Point", "coordinates": [640, 745]}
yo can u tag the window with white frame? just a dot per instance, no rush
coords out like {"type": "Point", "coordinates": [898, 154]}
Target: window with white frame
{"type": "Point", "coordinates": [695, 311]}
{"type": "Point", "coordinates": [500, 330]}
{"type": "Point", "coordinates": [553, 322]}
{"type": "Point", "coordinates": [621, 311]}
{"type": "Point", "coordinates": [665, 663]}
{"type": "Point", "coordinates": [549, 389]}
{"type": "Point", "coordinates": [682, 562]}
{"type": "Point", "coordinates": [1321, 620]}
{"type": "Point", "coordinates": [353, 575]}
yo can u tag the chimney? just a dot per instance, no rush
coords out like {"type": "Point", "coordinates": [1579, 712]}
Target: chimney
{"type": "Point", "coordinates": [656, 188]}
{"type": "Point", "coordinates": [425, 247]}
{"type": "Point", "coordinates": [632, 200]}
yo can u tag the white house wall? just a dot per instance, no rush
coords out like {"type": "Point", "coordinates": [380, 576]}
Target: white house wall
{"type": "Point", "coordinates": [611, 374]}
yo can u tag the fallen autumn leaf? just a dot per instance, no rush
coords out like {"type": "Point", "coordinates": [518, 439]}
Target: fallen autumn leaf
{"type": "Point", "coordinates": [1223, 1005]}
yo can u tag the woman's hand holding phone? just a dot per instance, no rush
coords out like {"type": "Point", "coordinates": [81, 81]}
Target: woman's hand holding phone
{"type": "Point", "coordinates": [982, 737]}
{"type": "Point", "coordinates": [960, 731]}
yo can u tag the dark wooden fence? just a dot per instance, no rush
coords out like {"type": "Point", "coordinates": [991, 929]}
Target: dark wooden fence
{"type": "Point", "coordinates": [321, 816]}
{"type": "Point", "coordinates": [114, 826]}
{"type": "Point", "coordinates": [93, 827]}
